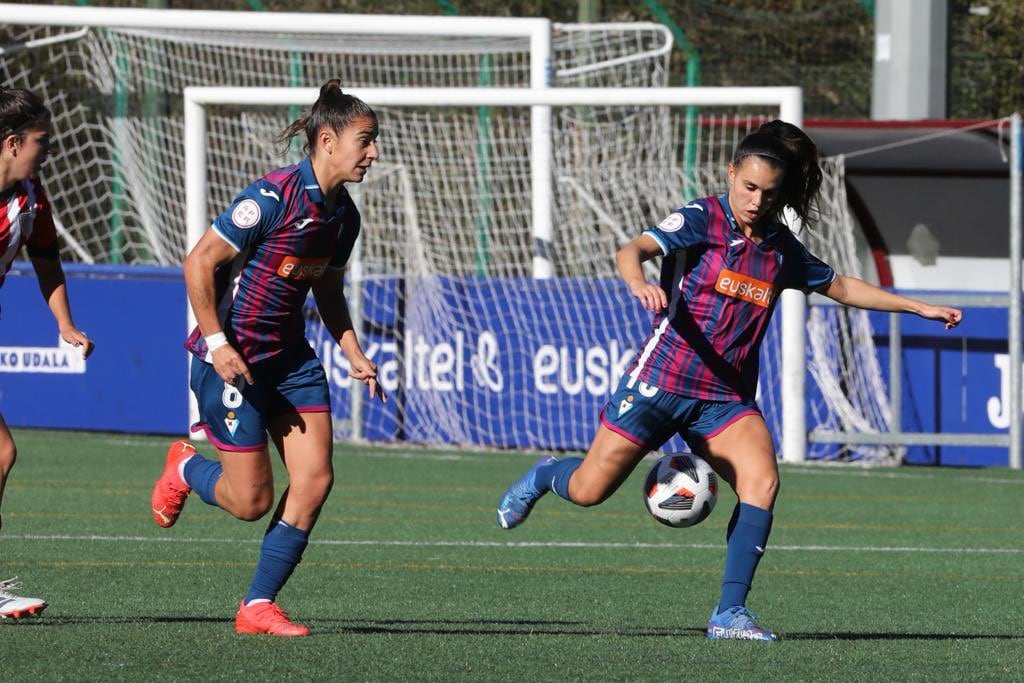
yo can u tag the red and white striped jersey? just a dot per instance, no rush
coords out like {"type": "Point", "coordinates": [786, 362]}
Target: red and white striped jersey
{"type": "Point", "coordinates": [25, 218]}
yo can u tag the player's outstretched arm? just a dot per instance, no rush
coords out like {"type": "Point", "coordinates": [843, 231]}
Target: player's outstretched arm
{"type": "Point", "coordinates": [853, 291]}
{"type": "Point", "coordinates": [54, 288]}
{"type": "Point", "coordinates": [329, 294]}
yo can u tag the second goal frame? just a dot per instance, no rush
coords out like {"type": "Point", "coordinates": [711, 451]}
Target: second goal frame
{"type": "Point", "coordinates": [788, 100]}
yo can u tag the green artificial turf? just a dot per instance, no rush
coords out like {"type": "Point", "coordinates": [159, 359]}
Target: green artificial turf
{"type": "Point", "coordinates": [885, 574]}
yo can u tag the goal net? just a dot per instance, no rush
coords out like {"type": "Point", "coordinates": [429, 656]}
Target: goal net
{"type": "Point", "coordinates": [473, 348]}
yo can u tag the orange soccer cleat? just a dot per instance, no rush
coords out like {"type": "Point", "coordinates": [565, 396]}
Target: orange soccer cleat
{"type": "Point", "coordinates": [266, 617]}
{"type": "Point", "coordinates": [170, 490]}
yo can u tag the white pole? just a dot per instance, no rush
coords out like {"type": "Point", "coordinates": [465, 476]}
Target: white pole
{"type": "Point", "coordinates": [1014, 337]}
{"type": "Point", "coordinates": [794, 326]}
{"type": "Point", "coordinates": [541, 156]}
{"type": "Point", "coordinates": [196, 219]}
{"type": "Point", "coordinates": [785, 97]}
{"type": "Point", "coordinates": [269, 22]}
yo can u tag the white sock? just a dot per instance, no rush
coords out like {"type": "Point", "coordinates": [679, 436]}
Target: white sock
{"type": "Point", "coordinates": [181, 468]}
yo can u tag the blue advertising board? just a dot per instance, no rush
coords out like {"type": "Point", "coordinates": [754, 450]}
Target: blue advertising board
{"type": "Point", "coordinates": [136, 381]}
{"type": "Point", "coordinates": [517, 362]}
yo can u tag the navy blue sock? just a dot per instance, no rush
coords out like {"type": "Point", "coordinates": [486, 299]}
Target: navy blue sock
{"type": "Point", "coordinates": [732, 522]}
{"type": "Point", "coordinates": [745, 546]}
{"type": "Point", "coordinates": [557, 475]}
{"type": "Point", "coordinates": [202, 475]}
{"type": "Point", "coordinates": [281, 551]}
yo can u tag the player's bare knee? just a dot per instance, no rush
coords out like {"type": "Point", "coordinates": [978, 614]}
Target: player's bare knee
{"type": "Point", "coordinates": [251, 513]}
{"type": "Point", "coordinates": [589, 495]}
{"type": "Point", "coordinates": [255, 505]}
{"type": "Point", "coordinates": [8, 454]}
{"type": "Point", "coordinates": [313, 489]}
{"type": "Point", "coordinates": [761, 491]}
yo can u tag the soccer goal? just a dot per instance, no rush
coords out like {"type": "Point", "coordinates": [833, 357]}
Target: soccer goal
{"type": "Point", "coordinates": [476, 343]}
{"type": "Point", "coordinates": [113, 78]}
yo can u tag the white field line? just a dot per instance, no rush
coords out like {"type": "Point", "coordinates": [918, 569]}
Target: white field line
{"type": "Point", "coordinates": [528, 544]}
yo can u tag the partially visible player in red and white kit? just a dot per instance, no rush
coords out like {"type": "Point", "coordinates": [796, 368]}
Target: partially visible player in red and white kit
{"type": "Point", "coordinates": [26, 220]}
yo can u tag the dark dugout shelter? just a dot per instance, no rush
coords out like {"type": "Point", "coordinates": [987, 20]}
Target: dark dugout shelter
{"type": "Point", "coordinates": [931, 199]}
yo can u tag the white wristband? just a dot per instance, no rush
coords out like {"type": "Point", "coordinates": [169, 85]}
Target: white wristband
{"type": "Point", "coordinates": [215, 341]}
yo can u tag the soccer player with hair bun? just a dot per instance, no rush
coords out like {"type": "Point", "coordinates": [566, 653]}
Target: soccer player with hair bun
{"type": "Point", "coordinates": [27, 220]}
{"type": "Point", "coordinates": [253, 371]}
{"type": "Point", "coordinates": [725, 261]}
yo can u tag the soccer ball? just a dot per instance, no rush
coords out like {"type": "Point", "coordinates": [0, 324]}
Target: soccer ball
{"type": "Point", "coordinates": [680, 490]}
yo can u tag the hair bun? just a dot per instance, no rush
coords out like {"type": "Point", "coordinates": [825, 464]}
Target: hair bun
{"type": "Point", "coordinates": [330, 87]}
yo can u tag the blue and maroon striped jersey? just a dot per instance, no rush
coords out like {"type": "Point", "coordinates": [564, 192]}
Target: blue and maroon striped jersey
{"type": "Point", "coordinates": [722, 291]}
{"type": "Point", "coordinates": [285, 240]}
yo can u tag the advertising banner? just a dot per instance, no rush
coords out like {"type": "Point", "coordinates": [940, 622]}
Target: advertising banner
{"type": "Point", "coordinates": [507, 363]}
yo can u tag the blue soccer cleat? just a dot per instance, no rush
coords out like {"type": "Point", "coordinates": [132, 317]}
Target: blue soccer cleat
{"type": "Point", "coordinates": [519, 498]}
{"type": "Point", "coordinates": [737, 623]}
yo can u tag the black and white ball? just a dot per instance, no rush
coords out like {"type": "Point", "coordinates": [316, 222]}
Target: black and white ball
{"type": "Point", "coordinates": [680, 490]}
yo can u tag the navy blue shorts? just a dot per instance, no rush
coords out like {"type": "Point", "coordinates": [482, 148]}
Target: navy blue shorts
{"type": "Point", "coordinates": [649, 417]}
{"type": "Point", "coordinates": [237, 420]}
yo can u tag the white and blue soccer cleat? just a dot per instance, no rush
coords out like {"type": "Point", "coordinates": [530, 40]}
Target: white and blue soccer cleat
{"type": "Point", "coordinates": [15, 606]}
{"type": "Point", "coordinates": [736, 623]}
{"type": "Point", "coordinates": [519, 498]}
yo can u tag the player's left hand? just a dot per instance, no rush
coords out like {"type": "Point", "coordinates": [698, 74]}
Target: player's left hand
{"type": "Point", "coordinates": [365, 370]}
{"type": "Point", "coordinates": [950, 316]}
{"type": "Point", "coordinates": [78, 339]}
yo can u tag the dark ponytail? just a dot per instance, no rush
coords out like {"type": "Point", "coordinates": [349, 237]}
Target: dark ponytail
{"type": "Point", "coordinates": [333, 109]}
{"type": "Point", "coordinates": [785, 146]}
{"type": "Point", "coordinates": [20, 111]}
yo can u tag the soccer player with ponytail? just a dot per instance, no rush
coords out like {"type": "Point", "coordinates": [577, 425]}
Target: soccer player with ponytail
{"type": "Point", "coordinates": [253, 371]}
{"type": "Point", "coordinates": [725, 261]}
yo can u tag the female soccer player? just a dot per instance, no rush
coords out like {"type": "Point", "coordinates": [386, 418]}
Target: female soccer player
{"type": "Point", "coordinates": [726, 260]}
{"type": "Point", "coordinates": [26, 220]}
{"type": "Point", "coordinates": [253, 372]}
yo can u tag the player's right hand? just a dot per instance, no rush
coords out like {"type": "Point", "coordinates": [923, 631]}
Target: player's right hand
{"type": "Point", "coordinates": [365, 370]}
{"type": "Point", "coordinates": [651, 296]}
{"type": "Point", "coordinates": [229, 365]}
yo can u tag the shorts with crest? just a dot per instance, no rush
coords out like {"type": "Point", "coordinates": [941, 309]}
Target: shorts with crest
{"type": "Point", "coordinates": [649, 416]}
{"type": "Point", "coordinates": [235, 418]}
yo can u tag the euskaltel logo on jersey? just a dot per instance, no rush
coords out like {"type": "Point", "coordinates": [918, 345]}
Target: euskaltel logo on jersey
{"type": "Point", "coordinates": [740, 286]}
{"type": "Point", "coordinates": [296, 268]}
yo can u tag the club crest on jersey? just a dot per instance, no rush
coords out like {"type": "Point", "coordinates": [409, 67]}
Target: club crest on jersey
{"type": "Point", "coordinates": [231, 422]}
{"type": "Point", "coordinates": [744, 287]}
{"type": "Point", "coordinates": [625, 405]}
{"type": "Point", "coordinates": [246, 214]}
{"type": "Point", "coordinates": [671, 222]}
{"type": "Point", "coordinates": [295, 268]}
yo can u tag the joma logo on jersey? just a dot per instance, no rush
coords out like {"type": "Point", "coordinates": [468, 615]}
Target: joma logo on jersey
{"type": "Point", "coordinates": [744, 287]}
{"type": "Point", "coordinates": [297, 268]}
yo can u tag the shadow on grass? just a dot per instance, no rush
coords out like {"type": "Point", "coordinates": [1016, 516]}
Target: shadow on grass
{"type": "Point", "coordinates": [468, 627]}
{"type": "Point", "coordinates": [54, 621]}
{"type": "Point", "coordinates": [490, 627]}
{"type": "Point", "coordinates": [484, 627]}
{"type": "Point", "coordinates": [901, 636]}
